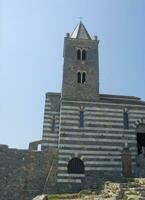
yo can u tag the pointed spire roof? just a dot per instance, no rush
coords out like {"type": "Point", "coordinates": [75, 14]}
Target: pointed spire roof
{"type": "Point", "coordinates": [80, 32]}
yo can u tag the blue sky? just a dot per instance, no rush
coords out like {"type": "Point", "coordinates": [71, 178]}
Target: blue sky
{"type": "Point", "coordinates": [31, 47]}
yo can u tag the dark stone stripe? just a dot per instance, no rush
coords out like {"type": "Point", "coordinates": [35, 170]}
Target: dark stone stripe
{"type": "Point", "coordinates": [83, 130]}
{"type": "Point", "coordinates": [113, 136]}
{"type": "Point", "coordinates": [93, 126]}
{"type": "Point", "coordinates": [120, 144]}
{"type": "Point", "coordinates": [91, 149]}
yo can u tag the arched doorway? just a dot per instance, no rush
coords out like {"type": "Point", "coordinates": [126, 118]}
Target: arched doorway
{"type": "Point", "coordinates": [76, 166]}
{"type": "Point", "coordinates": [140, 159]}
{"type": "Point", "coordinates": [140, 136]}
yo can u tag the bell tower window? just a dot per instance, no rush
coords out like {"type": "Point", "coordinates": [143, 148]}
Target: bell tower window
{"type": "Point", "coordinates": [83, 54]}
{"type": "Point", "coordinates": [78, 54]}
{"type": "Point", "coordinates": [79, 77]}
{"type": "Point", "coordinates": [84, 77]}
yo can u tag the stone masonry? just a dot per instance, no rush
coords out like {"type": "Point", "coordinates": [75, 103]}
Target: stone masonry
{"type": "Point", "coordinates": [87, 136]}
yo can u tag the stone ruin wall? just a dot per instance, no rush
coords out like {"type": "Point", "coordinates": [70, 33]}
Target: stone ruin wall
{"type": "Point", "coordinates": [26, 173]}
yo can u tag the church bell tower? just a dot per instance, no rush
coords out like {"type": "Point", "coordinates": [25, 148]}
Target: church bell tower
{"type": "Point", "coordinates": [81, 66]}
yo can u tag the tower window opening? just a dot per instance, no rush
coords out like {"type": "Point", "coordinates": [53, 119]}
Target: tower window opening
{"type": "Point", "coordinates": [53, 125]}
{"type": "Point", "coordinates": [78, 54]}
{"type": "Point", "coordinates": [125, 120]}
{"type": "Point", "coordinates": [84, 77]}
{"type": "Point", "coordinates": [83, 54]}
{"type": "Point", "coordinates": [76, 166]}
{"type": "Point", "coordinates": [79, 77]}
{"type": "Point", "coordinates": [81, 119]}
{"type": "Point", "coordinates": [141, 143]}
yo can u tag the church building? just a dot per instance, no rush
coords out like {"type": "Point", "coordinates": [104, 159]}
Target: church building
{"type": "Point", "coordinates": [96, 135]}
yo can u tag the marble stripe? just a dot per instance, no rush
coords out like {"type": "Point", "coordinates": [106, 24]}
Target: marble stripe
{"type": "Point", "coordinates": [50, 144]}
{"type": "Point", "coordinates": [95, 168]}
{"type": "Point", "coordinates": [94, 162]}
{"type": "Point", "coordinates": [96, 128]}
{"type": "Point", "coordinates": [88, 118]}
{"type": "Point", "coordinates": [97, 140]}
{"type": "Point", "coordinates": [90, 152]}
{"type": "Point", "coordinates": [50, 139]}
{"type": "Point", "coordinates": [51, 112]}
{"type": "Point", "coordinates": [103, 109]}
{"type": "Point", "coordinates": [97, 147]}
{"type": "Point", "coordinates": [70, 175]}
{"type": "Point", "coordinates": [107, 104]}
{"type": "Point", "coordinates": [51, 134]}
{"type": "Point", "coordinates": [69, 180]}
{"type": "Point", "coordinates": [103, 134]}
{"type": "Point", "coordinates": [90, 146]}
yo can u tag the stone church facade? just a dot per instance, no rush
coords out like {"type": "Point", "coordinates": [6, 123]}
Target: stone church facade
{"type": "Point", "coordinates": [87, 136]}
{"type": "Point", "coordinates": [97, 135]}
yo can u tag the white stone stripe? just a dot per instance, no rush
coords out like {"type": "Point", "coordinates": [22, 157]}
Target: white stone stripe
{"type": "Point", "coordinates": [102, 123]}
{"type": "Point", "coordinates": [103, 118]}
{"type": "Point", "coordinates": [50, 139]}
{"type": "Point", "coordinates": [51, 116]}
{"type": "Point", "coordinates": [107, 104]}
{"type": "Point", "coordinates": [50, 129]}
{"type": "Point", "coordinates": [103, 162]}
{"type": "Point", "coordinates": [70, 175]}
{"type": "Point", "coordinates": [103, 109]}
{"type": "Point", "coordinates": [76, 122]}
{"type": "Point", "coordinates": [70, 117]}
{"type": "Point", "coordinates": [50, 125]}
{"type": "Point", "coordinates": [47, 113]}
{"type": "Point", "coordinates": [70, 107]}
{"type": "Point", "coordinates": [91, 157]}
{"type": "Point", "coordinates": [95, 162]}
{"type": "Point", "coordinates": [113, 110]}
{"type": "Point", "coordinates": [47, 121]}
{"type": "Point", "coordinates": [90, 152]}
{"type": "Point", "coordinates": [90, 146]}
{"type": "Point", "coordinates": [69, 112]}
{"type": "Point", "coordinates": [97, 128]}
{"type": "Point", "coordinates": [50, 144]}
{"type": "Point", "coordinates": [100, 109]}
{"type": "Point", "coordinates": [47, 103]}
{"type": "Point", "coordinates": [92, 114]}
{"type": "Point", "coordinates": [104, 134]}
{"type": "Point", "coordinates": [73, 146]}
{"type": "Point", "coordinates": [69, 121]}
{"type": "Point", "coordinates": [137, 115]}
{"type": "Point", "coordinates": [95, 168]}
{"type": "Point", "coordinates": [51, 134]}
{"type": "Point", "coordinates": [112, 140]}
{"type": "Point", "coordinates": [137, 111]}
{"type": "Point", "coordinates": [84, 157]}
{"type": "Point", "coordinates": [69, 180]}
{"type": "Point", "coordinates": [112, 114]}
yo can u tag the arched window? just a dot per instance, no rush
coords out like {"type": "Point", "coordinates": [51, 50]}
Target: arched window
{"type": "Point", "coordinates": [79, 77]}
{"type": "Point", "coordinates": [84, 77]}
{"type": "Point", "coordinates": [140, 136]}
{"type": "Point", "coordinates": [53, 125]}
{"type": "Point", "coordinates": [81, 119]}
{"type": "Point", "coordinates": [83, 54]}
{"type": "Point", "coordinates": [125, 120]}
{"type": "Point", "coordinates": [78, 54]}
{"type": "Point", "coordinates": [76, 166]}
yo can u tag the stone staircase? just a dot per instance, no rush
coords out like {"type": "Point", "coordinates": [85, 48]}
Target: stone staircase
{"type": "Point", "coordinates": [131, 191]}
